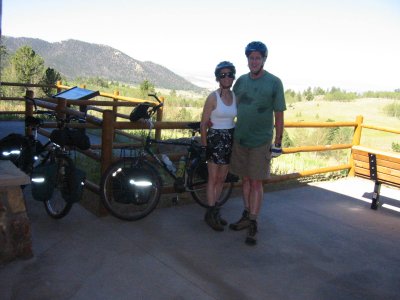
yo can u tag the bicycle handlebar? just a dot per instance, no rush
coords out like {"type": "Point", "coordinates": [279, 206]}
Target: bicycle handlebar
{"type": "Point", "coordinates": [155, 97]}
{"type": "Point", "coordinates": [160, 103]}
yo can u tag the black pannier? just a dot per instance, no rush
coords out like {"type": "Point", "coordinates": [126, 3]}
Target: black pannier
{"type": "Point", "coordinates": [125, 192]}
{"type": "Point", "coordinates": [70, 137]}
{"type": "Point", "coordinates": [140, 112]}
{"type": "Point", "coordinates": [15, 147]}
{"type": "Point", "coordinates": [11, 143]}
{"type": "Point", "coordinates": [43, 181]}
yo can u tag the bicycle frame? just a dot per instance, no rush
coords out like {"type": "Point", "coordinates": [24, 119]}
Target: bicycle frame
{"type": "Point", "coordinates": [191, 154]}
{"type": "Point", "coordinates": [188, 155]}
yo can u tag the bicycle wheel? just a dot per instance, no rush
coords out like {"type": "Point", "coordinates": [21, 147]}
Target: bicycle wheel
{"type": "Point", "coordinates": [130, 188]}
{"type": "Point", "coordinates": [59, 204]}
{"type": "Point", "coordinates": [198, 177]}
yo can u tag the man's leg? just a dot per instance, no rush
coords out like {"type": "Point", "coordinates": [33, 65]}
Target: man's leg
{"type": "Point", "coordinates": [255, 196]}
{"type": "Point", "coordinates": [255, 201]}
{"type": "Point", "coordinates": [244, 221]}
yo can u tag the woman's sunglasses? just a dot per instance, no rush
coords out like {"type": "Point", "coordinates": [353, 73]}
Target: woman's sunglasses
{"type": "Point", "coordinates": [229, 74]}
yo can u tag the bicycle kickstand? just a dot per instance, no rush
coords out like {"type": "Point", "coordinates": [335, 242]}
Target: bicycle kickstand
{"type": "Point", "coordinates": [175, 199]}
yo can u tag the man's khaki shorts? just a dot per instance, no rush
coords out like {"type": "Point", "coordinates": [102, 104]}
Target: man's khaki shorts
{"type": "Point", "coordinates": [251, 162]}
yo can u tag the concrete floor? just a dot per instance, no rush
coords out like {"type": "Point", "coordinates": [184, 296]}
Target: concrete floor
{"type": "Point", "coordinates": [315, 242]}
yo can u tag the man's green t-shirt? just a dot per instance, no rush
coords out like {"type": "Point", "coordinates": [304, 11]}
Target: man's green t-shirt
{"type": "Point", "coordinates": [257, 99]}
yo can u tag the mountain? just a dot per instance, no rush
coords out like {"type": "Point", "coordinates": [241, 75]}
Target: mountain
{"type": "Point", "coordinates": [73, 58]}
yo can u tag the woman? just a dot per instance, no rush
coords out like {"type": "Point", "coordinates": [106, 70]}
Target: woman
{"type": "Point", "coordinates": [217, 125]}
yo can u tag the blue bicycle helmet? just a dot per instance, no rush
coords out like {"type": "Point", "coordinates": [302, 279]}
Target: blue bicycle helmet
{"type": "Point", "coordinates": [256, 46]}
{"type": "Point", "coordinates": [223, 65]}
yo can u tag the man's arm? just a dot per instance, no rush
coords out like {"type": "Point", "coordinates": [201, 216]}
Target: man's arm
{"type": "Point", "coordinates": [279, 120]}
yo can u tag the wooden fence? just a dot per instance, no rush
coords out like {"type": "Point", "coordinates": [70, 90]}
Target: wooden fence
{"type": "Point", "coordinates": [108, 125]}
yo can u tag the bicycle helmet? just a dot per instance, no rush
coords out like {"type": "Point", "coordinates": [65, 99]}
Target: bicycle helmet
{"type": "Point", "coordinates": [223, 65]}
{"type": "Point", "coordinates": [256, 46]}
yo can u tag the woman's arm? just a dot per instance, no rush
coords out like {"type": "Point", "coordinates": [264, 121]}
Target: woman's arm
{"type": "Point", "coordinates": [209, 106]}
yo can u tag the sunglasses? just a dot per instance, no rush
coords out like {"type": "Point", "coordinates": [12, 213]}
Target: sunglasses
{"type": "Point", "coordinates": [229, 74]}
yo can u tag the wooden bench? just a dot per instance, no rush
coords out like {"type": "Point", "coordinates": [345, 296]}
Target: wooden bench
{"type": "Point", "coordinates": [380, 166]}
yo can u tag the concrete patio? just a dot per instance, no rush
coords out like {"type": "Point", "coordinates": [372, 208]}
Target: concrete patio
{"type": "Point", "coordinates": [317, 241]}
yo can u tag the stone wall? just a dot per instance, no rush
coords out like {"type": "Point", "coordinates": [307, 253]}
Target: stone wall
{"type": "Point", "coordinates": [15, 229]}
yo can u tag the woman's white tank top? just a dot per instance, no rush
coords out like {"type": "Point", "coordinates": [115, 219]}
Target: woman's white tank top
{"type": "Point", "coordinates": [222, 117]}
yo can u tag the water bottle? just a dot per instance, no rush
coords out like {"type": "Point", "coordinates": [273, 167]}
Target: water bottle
{"type": "Point", "coordinates": [179, 183]}
{"type": "Point", "coordinates": [169, 163]}
{"type": "Point", "coordinates": [181, 167]}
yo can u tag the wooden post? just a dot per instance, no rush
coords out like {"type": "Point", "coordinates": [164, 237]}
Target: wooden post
{"type": "Point", "coordinates": [115, 108]}
{"type": "Point", "coordinates": [28, 110]}
{"type": "Point", "coordinates": [356, 141]}
{"type": "Point", "coordinates": [107, 139]}
{"type": "Point", "coordinates": [61, 104]}
{"type": "Point", "coordinates": [357, 131]}
{"type": "Point", "coordinates": [59, 83]}
{"type": "Point", "coordinates": [159, 118]}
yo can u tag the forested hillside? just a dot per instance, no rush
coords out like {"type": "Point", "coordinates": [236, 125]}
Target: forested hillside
{"type": "Point", "coordinates": [73, 58]}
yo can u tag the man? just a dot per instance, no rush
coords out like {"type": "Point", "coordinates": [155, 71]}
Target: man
{"type": "Point", "coordinates": [261, 103]}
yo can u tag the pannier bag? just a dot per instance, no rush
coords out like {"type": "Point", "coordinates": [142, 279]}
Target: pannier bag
{"type": "Point", "coordinates": [70, 137]}
{"type": "Point", "coordinates": [43, 180]}
{"type": "Point", "coordinates": [140, 112]}
{"type": "Point", "coordinates": [125, 190]}
{"type": "Point", "coordinates": [15, 147]}
{"type": "Point", "coordinates": [75, 191]}
{"type": "Point", "coordinates": [11, 145]}
{"type": "Point", "coordinates": [202, 170]}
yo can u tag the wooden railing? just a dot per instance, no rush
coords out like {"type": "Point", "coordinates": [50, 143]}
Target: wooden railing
{"type": "Point", "coordinates": [108, 125]}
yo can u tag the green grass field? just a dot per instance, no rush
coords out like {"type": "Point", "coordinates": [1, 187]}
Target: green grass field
{"type": "Point", "coordinates": [370, 109]}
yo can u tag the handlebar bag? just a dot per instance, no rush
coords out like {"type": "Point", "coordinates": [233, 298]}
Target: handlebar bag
{"type": "Point", "coordinates": [79, 139]}
{"type": "Point", "coordinates": [60, 137]}
{"type": "Point", "coordinates": [70, 137]}
{"type": "Point", "coordinates": [140, 112]}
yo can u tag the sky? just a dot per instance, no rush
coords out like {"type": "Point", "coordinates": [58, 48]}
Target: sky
{"type": "Point", "coordinates": [353, 45]}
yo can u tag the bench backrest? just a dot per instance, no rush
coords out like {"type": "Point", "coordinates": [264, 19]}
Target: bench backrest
{"type": "Point", "coordinates": [387, 163]}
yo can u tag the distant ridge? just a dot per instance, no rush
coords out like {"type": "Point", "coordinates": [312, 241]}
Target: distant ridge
{"type": "Point", "coordinates": [73, 58]}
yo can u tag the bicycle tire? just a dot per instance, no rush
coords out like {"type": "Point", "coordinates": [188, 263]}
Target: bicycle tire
{"type": "Point", "coordinates": [197, 182]}
{"type": "Point", "coordinates": [121, 194]}
{"type": "Point", "coordinates": [59, 204]}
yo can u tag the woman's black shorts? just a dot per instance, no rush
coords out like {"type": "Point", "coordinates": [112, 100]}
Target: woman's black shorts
{"type": "Point", "coordinates": [219, 145]}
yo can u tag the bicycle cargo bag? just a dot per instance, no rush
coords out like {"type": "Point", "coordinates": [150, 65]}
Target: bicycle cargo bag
{"type": "Point", "coordinates": [60, 137]}
{"type": "Point", "coordinates": [70, 137]}
{"type": "Point", "coordinates": [202, 170]}
{"type": "Point", "coordinates": [18, 149]}
{"type": "Point", "coordinates": [140, 112]}
{"type": "Point", "coordinates": [78, 139]}
{"type": "Point", "coordinates": [126, 189]}
{"type": "Point", "coordinates": [43, 181]}
{"type": "Point", "coordinates": [11, 145]}
{"type": "Point", "coordinates": [74, 190]}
